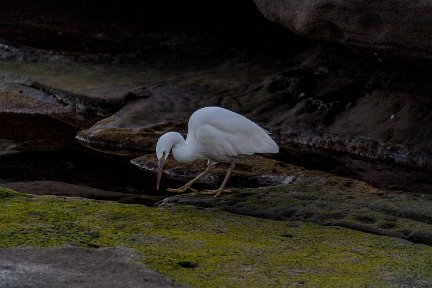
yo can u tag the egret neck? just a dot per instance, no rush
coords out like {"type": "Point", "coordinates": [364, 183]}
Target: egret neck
{"type": "Point", "coordinates": [183, 151]}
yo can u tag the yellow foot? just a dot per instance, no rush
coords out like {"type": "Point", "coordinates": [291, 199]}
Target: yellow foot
{"type": "Point", "coordinates": [181, 189]}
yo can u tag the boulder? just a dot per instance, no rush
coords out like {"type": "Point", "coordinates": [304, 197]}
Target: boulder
{"type": "Point", "coordinates": [72, 266]}
{"type": "Point", "coordinates": [400, 26]}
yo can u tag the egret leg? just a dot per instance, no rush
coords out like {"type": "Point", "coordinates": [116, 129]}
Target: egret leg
{"type": "Point", "coordinates": [217, 192]}
{"type": "Point", "coordinates": [188, 185]}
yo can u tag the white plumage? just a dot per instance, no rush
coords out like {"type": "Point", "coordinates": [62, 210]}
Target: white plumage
{"type": "Point", "coordinates": [215, 134]}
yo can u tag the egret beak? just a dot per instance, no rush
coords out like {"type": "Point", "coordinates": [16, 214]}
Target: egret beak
{"type": "Point", "coordinates": [159, 173]}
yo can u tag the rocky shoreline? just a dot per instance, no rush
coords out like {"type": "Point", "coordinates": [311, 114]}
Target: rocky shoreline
{"type": "Point", "coordinates": [192, 246]}
{"type": "Point", "coordinates": [82, 103]}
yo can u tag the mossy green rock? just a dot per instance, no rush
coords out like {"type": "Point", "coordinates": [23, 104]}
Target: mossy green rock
{"type": "Point", "coordinates": [212, 248]}
{"type": "Point", "coordinates": [331, 200]}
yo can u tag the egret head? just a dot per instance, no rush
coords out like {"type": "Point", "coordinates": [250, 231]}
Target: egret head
{"type": "Point", "coordinates": [163, 149]}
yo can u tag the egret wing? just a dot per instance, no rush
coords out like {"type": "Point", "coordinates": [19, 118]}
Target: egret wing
{"type": "Point", "coordinates": [231, 134]}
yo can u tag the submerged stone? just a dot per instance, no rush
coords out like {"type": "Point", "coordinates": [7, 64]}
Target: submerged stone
{"type": "Point", "coordinates": [71, 190]}
{"type": "Point", "coordinates": [250, 171]}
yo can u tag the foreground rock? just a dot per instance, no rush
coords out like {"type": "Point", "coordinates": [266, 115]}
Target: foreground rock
{"type": "Point", "coordinates": [203, 247]}
{"type": "Point", "coordinates": [70, 190]}
{"type": "Point", "coordinates": [76, 267]}
{"type": "Point", "coordinates": [360, 24]}
{"type": "Point", "coordinates": [306, 195]}
{"type": "Point", "coordinates": [331, 200]}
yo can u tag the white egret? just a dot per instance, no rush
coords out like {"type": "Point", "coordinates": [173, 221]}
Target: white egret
{"type": "Point", "coordinates": [215, 134]}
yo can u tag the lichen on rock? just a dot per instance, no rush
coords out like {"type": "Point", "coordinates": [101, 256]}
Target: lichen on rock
{"type": "Point", "coordinates": [208, 247]}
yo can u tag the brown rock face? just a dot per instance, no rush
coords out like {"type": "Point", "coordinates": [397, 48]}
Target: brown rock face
{"type": "Point", "coordinates": [400, 26]}
{"type": "Point", "coordinates": [328, 98]}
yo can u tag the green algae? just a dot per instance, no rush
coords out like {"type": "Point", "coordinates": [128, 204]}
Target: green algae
{"type": "Point", "coordinates": [212, 248]}
{"type": "Point", "coordinates": [337, 202]}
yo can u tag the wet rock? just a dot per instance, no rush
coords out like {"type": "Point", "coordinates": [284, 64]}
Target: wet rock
{"type": "Point", "coordinates": [51, 107]}
{"type": "Point", "coordinates": [132, 129]}
{"type": "Point", "coordinates": [250, 171]}
{"type": "Point", "coordinates": [94, 87]}
{"type": "Point", "coordinates": [347, 108]}
{"type": "Point", "coordinates": [35, 117]}
{"type": "Point", "coordinates": [338, 100]}
{"type": "Point", "coordinates": [419, 157]}
{"type": "Point", "coordinates": [8, 147]}
{"type": "Point", "coordinates": [10, 52]}
{"type": "Point", "coordinates": [76, 267]}
{"type": "Point", "coordinates": [24, 99]}
{"type": "Point", "coordinates": [71, 190]}
{"type": "Point", "coordinates": [167, 105]}
{"type": "Point", "coordinates": [372, 25]}
{"type": "Point", "coordinates": [28, 87]}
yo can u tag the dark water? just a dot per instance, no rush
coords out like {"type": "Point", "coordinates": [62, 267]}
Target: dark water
{"type": "Point", "coordinates": [385, 175]}
{"type": "Point", "coordinates": [79, 167]}
{"type": "Point", "coordinates": [71, 163]}
{"type": "Point", "coordinates": [48, 151]}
